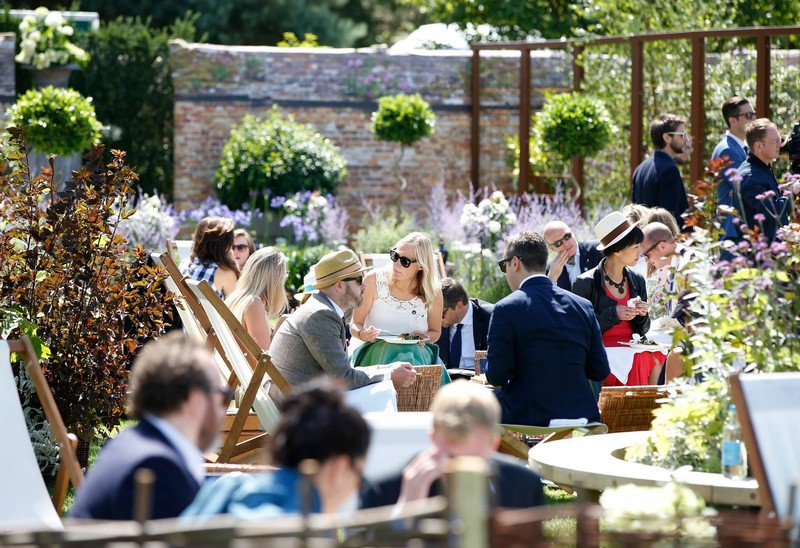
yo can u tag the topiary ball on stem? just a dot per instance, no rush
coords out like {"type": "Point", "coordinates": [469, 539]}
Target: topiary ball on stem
{"type": "Point", "coordinates": [405, 119]}
{"type": "Point", "coordinates": [573, 124]}
{"type": "Point", "coordinates": [56, 120]}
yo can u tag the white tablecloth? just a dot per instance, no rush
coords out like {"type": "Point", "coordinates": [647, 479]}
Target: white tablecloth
{"type": "Point", "coordinates": [620, 359]}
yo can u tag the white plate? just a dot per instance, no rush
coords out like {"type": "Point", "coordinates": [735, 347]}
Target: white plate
{"type": "Point", "coordinates": [647, 347]}
{"type": "Point", "coordinates": [398, 340]}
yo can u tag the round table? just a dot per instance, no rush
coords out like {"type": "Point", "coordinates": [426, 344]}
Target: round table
{"type": "Point", "coordinates": [594, 463]}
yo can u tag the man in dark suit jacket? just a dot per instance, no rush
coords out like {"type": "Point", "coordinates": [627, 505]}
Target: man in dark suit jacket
{"type": "Point", "coordinates": [465, 324]}
{"type": "Point", "coordinates": [545, 343]}
{"type": "Point", "coordinates": [465, 419]}
{"type": "Point", "coordinates": [657, 181]}
{"type": "Point", "coordinates": [737, 112]}
{"type": "Point", "coordinates": [176, 394]}
{"type": "Point", "coordinates": [572, 259]}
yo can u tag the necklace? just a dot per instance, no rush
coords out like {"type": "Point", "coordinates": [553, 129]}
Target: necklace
{"type": "Point", "coordinates": [618, 286]}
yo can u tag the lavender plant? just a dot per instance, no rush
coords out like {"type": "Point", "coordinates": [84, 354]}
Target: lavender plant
{"type": "Point", "coordinates": [152, 222]}
{"type": "Point", "coordinates": [306, 213]}
{"type": "Point", "coordinates": [243, 218]}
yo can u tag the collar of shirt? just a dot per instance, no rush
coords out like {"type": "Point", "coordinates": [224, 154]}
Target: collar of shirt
{"type": "Point", "coordinates": [335, 306]}
{"type": "Point", "coordinates": [532, 276]}
{"type": "Point", "coordinates": [188, 451]}
{"type": "Point", "coordinates": [466, 321]}
{"type": "Point", "coordinates": [735, 138]}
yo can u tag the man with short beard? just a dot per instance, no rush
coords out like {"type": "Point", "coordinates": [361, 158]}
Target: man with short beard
{"type": "Point", "coordinates": [312, 342]}
{"type": "Point", "coordinates": [657, 181]}
{"type": "Point", "coordinates": [177, 397]}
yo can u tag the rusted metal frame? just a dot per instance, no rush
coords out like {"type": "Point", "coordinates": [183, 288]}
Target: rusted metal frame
{"type": "Point", "coordinates": [475, 125]}
{"type": "Point", "coordinates": [698, 114]}
{"type": "Point", "coordinates": [763, 76]}
{"type": "Point", "coordinates": [637, 98]}
{"type": "Point", "coordinates": [577, 80]}
{"type": "Point", "coordinates": [525, 124]}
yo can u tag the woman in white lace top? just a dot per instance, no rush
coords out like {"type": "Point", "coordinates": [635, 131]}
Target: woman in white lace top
{"type": "Point", "coordinates": [405, 298]}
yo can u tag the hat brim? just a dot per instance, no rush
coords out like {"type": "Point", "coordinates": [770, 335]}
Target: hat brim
{"type": "Point", "coordinates": [601, 247]}
{"type": "Point", "coordinates": [303, 294]}
{"type": "Point", "coordinates": [331, 281]}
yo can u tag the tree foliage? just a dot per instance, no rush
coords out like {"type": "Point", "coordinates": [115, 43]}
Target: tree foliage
{"type": "Point", "coordinates": [573, 124]}
{"type": "Point", "coordinates": [65, 266]}
{"type": "Point", "coordinates": [403, 118]}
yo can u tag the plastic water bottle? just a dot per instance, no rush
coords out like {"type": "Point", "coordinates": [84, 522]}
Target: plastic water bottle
{"type": "Point", "coordinates": [734, 453]}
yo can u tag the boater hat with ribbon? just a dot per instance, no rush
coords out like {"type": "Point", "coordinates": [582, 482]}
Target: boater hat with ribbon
{"type": "Point", "coordinates": [611, 229]}
{"type": "Point", "coordinates": [337, 266]}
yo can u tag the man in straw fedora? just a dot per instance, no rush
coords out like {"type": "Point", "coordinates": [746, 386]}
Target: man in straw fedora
{"type": "Point", "coordinates": [312, 341]}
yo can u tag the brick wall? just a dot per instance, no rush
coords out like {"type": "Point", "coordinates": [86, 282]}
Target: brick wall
{"type": "Point", "coordinates": [335, 91]}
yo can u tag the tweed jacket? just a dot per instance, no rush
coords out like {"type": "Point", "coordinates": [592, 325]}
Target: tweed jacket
{"type": "Point", "coordinates": [589, 285]}
{"type": "Point", "coordinates": [311, 343]}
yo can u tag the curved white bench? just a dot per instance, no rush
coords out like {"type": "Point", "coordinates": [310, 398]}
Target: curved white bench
{"type": "Point", "coordinates": [594, 463]}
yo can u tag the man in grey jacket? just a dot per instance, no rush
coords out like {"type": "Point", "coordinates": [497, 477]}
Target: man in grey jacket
{"type": "Point", "coordinates": [312, 341]}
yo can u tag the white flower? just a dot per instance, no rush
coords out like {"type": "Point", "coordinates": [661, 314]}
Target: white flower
{"type": "Point", "coordinates": [53, 20]}
{"type": "Point", "coordinates": [40, 12]}
{"type": "Point", "coordinates": [66, 30]}
{"type": "Point", "coordinates": [497, 196]}
{"type": "Point", "coordinates": [494, 227]}
{"type": "Point", "coordinates": [290, 205]}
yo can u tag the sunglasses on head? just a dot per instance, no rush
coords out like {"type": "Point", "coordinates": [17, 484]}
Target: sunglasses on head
{"type": "Point", "coordinates": [405, 262]}
{"type": "Point", "coordinates": [558, 243]}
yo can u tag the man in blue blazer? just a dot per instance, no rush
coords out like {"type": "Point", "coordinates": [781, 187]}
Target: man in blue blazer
{"type": "Point", "coordinates": [465, 326]}
{"type": "Point", "coordinates": [572, 259]}
{"type": "Point", "coordinates": [737, 113]}
{"type": "Point", "coordinates": [545, 344]}
{"type": "Point", "coordinates": [176, 394]}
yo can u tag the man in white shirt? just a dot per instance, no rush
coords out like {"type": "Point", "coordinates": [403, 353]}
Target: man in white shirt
{"type": "Point", "coordinates": [465, 326]}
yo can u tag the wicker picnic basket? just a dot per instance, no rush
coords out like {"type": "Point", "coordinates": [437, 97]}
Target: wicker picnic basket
{"type": "Point", "coordinates": [629, 408]}
{"type": "Point", "coordinates": [418, 396]}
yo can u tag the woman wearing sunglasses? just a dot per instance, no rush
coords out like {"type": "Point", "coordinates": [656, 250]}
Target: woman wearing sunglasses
{"type": "Point", "coordinates": [405, 298]}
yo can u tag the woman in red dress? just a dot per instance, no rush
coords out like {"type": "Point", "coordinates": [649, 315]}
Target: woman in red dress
{"type": "Point", "coordinates": [619, 296]}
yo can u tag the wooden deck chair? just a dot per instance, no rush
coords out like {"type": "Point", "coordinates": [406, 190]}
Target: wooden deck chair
{"type": "Point", "coordinates": [251, 365]}
{"type": "Point", "coordinates": [179, 249]}
{"type": "Point", "coordinates": [195, 320]}
{"type": "Point", "coordinates": [511, 445]}
{"type": "Point", "coordinates": [419, 395]}
{"type": "Point", "coordinates": [379, 260]}
{"type": "Point", "coordinates": [23, 487]}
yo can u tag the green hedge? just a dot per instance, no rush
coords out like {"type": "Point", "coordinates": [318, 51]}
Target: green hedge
{"type": "Point", "coordinates": [129, 79]}
{"type": "Point", "coordinates": [276, 156]}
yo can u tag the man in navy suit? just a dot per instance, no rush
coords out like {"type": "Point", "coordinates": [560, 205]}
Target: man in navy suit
{"type": "Point", "coordinates": [465, 326]}
{"type": "Point", "coordinates": [176, 395]}
{"type": "Point", "coordinates": [657, 181]}
{"type": "Point", "coordinates": [545, 344]}
{"type": "Point", "coordinates": [572, 259]}
{"type": "Point", "coordinates": [737, 113]}
{"type": "Point", "coordinates": [465, 419]}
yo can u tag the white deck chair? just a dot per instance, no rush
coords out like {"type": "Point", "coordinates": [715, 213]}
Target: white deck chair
{"type": "Point", "coordinates": [251, 366]}
{"type": "Point", "coordinates": [24, 500]}
{"type": "Point", "coordinates": [179, 249]}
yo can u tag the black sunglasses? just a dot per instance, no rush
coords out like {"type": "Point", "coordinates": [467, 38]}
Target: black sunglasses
{"type": "Point", "coordinates": [405, 262]}
{"type": "Point", "coordinates": [358, 279]}
{"type": "Point", "coordinates": [558, 243]}
{"type": "Point", "coordinates": [241, 247]}
{"type": "Point", "coordinates": [503, 264]}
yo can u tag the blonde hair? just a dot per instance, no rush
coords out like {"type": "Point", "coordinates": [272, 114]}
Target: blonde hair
{"type": "Point", "coordinates": [460, 407]}
{"type": "Point", "coordinates": [665, 217]}
{"type": "Point", "coordinates": [263, 277]}
{"type": "Point", "coordinates": [635, 213]}
{"type": "Point", "coordinates": [428, 283]}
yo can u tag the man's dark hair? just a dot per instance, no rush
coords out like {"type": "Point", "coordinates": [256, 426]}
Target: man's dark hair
{"type": "Point", "coordinates": [666, 123]}
{"type": "Point", "coordinates": [635, 236]}
{"type": "Point", "coordinates": [166, 372]}
{"type": "Point", "coordinates": [317, 424]}
{"type": "Point", "coordinates": [528, 247]}
{"type": "Point", "coordinates": [731, 107]}
{"type": "Point", "coordinates": [453, 292]}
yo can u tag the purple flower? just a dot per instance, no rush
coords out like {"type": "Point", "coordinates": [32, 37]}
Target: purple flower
{"type": "Point", "coordinates": [761, 197]}
{"type": "Point", "coordinates": [759, 217]}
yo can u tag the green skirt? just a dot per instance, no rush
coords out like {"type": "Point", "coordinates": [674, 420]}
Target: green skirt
{"type": "Point", "coordinates": [382, 352]}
